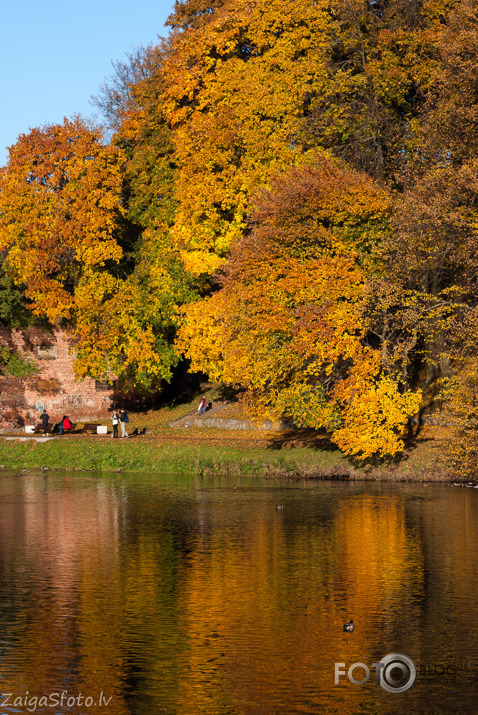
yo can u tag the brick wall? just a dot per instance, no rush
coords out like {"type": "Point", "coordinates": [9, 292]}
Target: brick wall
{"type": "Point", "coordinates": [54, 387]}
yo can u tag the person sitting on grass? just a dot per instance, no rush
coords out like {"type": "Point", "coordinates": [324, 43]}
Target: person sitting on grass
{"type": "Point", "coordinates": [202, 407]}
{"type": "Point", "coordinates": [65, 425]}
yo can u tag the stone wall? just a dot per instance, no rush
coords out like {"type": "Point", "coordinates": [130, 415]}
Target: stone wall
{"type": "Point", "coordinates": [54, 388]}
{"type": "Point", "coordinates": [211, 419]}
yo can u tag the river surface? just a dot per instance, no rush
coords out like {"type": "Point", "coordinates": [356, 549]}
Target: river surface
{"type": "Point", "coordinates": [152, 594]}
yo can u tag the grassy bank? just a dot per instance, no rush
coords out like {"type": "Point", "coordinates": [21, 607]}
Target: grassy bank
{"type": "Point", "coordinates": [89, 453]}
{"type": "Point", "coordinates": [190, 452]}
{"type": "Point", "coordinates": [218, 451]}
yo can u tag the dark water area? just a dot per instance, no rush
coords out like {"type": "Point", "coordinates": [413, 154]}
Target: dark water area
{"type": "Point", "coordinates": [172, 594]}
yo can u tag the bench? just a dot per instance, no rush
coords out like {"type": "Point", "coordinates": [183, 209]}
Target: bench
{"type": "Point", "coordinates": [39, 428]}
{"type": "Point", "coordinates": [87, 427]}
{"type": "Point", "coordinates": [90, 427]}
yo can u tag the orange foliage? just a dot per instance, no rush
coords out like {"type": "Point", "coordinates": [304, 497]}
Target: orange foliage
{"type": "Point", "coordinates": [60, 218]}
{"type": "Point", "coordinates": [59, 211]}
{"type": "Point", "coordinates": [290, 320]}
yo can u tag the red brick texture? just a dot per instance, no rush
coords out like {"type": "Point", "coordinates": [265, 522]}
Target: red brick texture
{"type": "Point", "coordinates": [54, 388]}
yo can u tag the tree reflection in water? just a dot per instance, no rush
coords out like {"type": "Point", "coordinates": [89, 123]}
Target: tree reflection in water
{"type": "Point", "coordinates": [190, 595]}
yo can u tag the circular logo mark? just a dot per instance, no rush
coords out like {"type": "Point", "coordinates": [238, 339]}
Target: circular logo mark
{"type": "Point", "coordinates": [397, 672]}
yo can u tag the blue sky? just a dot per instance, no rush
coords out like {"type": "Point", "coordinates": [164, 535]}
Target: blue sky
{"type": "Point", "coordinates": [55, 54]}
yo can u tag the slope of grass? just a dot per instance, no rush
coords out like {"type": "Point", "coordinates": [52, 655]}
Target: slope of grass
{"type": "Point", "coordinates": [207, 451]}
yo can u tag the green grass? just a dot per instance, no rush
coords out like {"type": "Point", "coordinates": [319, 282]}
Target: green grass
{"type": "Point", "coordinates": [73, 453]}
{"type": "Point", "coordinates": [241, 460]}
{"type": "Point", "coordinates": [206, 451]}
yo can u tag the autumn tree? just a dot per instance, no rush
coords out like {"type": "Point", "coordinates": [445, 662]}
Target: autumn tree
{"type": "Point", "coordinates": [132, 102]}
{"type": "Point", "coordinates": [434, 248]}
{"type": "Point", "coordinates": [235, 78]}
{"type": "Point", "coordinates": [376, 72]}
{"type": "Point", "coordinates": [61, 234]}
{"type": "Point", "coordinates": [442, 201]}
{"type": "Point", "coordinates": [59, 213]}
{"type": "Point", "coordinates": [290, 320]}
{"type": "Point", "coordinates": [116, 97]}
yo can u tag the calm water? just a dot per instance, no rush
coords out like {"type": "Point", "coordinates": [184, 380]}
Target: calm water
{"type": "Point", "coordinates": [169, 594]}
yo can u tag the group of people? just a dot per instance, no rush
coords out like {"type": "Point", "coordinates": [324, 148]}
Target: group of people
{"type": "Point", "coordinates": [65, 425]}
{"type": "Point", "coordinates": [121, 418]}
{"type": "Point", "coordinates": [59, 428]}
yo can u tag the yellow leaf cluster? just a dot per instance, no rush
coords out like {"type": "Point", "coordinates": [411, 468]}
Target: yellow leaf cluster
{"type": "Point", "coordinates": [373, 411]}
{"type": "Point", "coordinates": [234, 90]}
{"type": "Point", "coordinates": [60, 202]}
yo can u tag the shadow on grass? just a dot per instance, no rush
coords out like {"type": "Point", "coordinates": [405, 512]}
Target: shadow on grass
{"type": "Point", "coordinates": [137, 432]}
{"type": "Point", "coordinates": [349, 466]}
{"type": "Point", "coordinates": [308, 439]}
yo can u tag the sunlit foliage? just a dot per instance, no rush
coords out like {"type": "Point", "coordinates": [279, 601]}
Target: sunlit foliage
{"type": "Point", "coordinates": [61, 220]}
{"type": "Point", "coordinates": [336, 298]}
{"type": "Point", "coordinates": [290, 321]}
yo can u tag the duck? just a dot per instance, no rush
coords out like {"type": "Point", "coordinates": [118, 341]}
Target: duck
{"type": "Point", "coordinates": [348, 627]}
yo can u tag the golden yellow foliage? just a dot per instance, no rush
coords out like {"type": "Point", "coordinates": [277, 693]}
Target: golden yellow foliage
{"type": "Point", "coordinates": [289, 322]}
{"type": "Point", "coordinates": [373, 410]}
{"type": "Point", "coordinates": [234, 91]}
{"type": "Point", "coordinates": [60, 202]}
{"type": "Point", "coordinates": [60, 216]}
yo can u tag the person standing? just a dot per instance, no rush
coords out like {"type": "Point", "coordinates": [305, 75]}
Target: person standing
{"type": "Point", "coordinates": [123, 420]}
{"type": "Point", "coordinates": [45, 418]}
{"type": "Point", "coordinates": [115, 420]}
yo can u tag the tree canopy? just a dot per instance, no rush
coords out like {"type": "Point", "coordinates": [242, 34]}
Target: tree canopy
{"type": "Point", "coordinates": [288, 199]}
{"type": "Point", "coordinates": [290, 320]}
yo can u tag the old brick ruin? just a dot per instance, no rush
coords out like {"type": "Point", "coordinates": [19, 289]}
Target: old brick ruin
{"type": "Point", "coordinates": [54, 388]}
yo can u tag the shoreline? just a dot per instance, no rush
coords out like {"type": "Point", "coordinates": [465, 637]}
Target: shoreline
{"type": "Point", "coordinates": [216, 453]}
